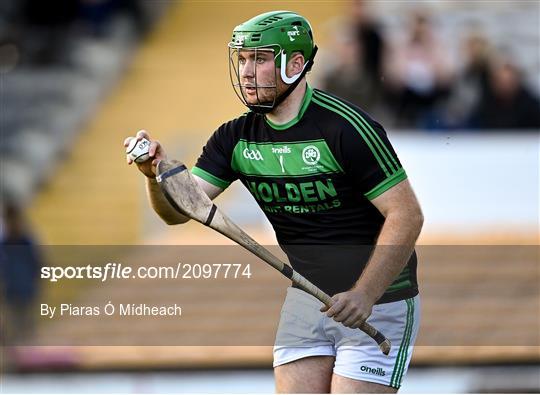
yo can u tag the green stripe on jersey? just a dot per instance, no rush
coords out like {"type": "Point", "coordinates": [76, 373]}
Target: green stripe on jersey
{"type": "Point", "coordinates": [212, 179]}
{"type": "Point", "coordinates": [375, 138]}
{"type": "Point", "coordinates": [399, 286]}
{"type": "Point", "coordinates": [386, 184]}
{"type": "Point", "coordinates": [284, 159]}
{"type": "Point", "coordinates": [404, 275]}
{"type": "Point", "coordinates": [358, 129]}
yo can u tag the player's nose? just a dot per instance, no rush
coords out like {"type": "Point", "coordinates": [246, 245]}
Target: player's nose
{"type": "Point", "coordinates": [248, 71]}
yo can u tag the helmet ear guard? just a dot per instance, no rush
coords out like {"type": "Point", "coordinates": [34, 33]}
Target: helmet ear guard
{"type": "Point", "coordinates": [283, 69]}
{"type": "Point", "coordinates": [296, 78]}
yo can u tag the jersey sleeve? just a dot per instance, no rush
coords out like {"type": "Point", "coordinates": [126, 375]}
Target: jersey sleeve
{"type": "Point", "coordinates": [369, 158]}
{"type": "Point", "coordinates": [214, 163]}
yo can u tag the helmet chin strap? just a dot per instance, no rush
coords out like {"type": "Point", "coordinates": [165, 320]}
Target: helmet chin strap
{"type": "Point", "coordinates": [293, 81]}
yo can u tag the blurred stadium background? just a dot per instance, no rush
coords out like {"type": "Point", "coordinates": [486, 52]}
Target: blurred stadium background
{"type": "Point", "coordinates": [456, 85]}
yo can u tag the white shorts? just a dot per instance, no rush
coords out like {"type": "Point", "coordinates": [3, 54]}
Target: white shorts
{"type": "Point", "coordinates": [305, 332]}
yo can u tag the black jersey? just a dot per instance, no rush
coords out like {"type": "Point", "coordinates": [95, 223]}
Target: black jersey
{"type": "Point", "coordinates": [314, 178]}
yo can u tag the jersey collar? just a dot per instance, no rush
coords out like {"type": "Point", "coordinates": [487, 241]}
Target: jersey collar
{"type": "Point", "coordinates": [305, 103]}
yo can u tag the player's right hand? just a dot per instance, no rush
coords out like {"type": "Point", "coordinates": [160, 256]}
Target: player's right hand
{"type": "Point", "coordinates": [156, 153]}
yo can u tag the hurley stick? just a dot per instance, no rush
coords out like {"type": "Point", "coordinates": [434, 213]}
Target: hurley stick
{"type": "Point", "coordinates": [185, 195]}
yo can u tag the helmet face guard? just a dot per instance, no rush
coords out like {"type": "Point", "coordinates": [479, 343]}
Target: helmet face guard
{"type": "Point", "coordinates": [281, 33]}
{"type": "Point", "coordinates": [264, 91]}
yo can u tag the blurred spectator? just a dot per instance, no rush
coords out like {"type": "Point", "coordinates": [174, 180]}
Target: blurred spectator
{"type": "Point", "coordinates": [506, 103]}
{"type": "Point", "coordinates": [47, 31]}
{"type": "Point", "coordinates": [344, 77]}
{"type": "Point", "coordinates": [418, 72]}
{"type": "Point", "coordinates": [357, 54]}
{"type": "Point", "coordinates": [44, 29]}
{"type": "Point", "coordinates": [470, 84]}
{"type": "Point", "coordinates": [99, 13]}
{"type": "Point", "coordinates": [20, 264]}
{"type": "Point", "coordinates": [366, 31]}
{"type": "Point", "coordinates": [370, 41]}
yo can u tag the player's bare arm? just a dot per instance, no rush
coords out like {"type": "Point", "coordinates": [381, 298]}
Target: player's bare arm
{"type": "Point", "coordinates": [157, 201]}
{"type": "Point", "coordinates": [395, 244]}
{"type": "Point", "coordinates": [163, 208]}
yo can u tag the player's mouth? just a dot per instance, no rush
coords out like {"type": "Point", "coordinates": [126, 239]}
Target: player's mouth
{"type": "Point", "coordinates": [250, 90]}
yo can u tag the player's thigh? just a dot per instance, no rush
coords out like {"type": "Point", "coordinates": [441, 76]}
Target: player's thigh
{"type": "Point", "coordinates": [345, 385]}
{"type": "Point", "coordinates": [306, 375]}
{"type": "Point", "coordinates": [358, 359]}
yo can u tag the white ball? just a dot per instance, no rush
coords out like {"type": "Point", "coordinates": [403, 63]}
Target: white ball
{"type": "Point", "coordinates": [138, 150]}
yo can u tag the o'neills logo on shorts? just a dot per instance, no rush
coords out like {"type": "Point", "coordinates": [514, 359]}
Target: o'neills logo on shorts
{"type": "Point", "coordinates": [378, 371]}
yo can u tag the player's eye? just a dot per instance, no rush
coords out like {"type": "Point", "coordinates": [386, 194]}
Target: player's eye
{"type": "Point", "coordinates": [260, 60]}
{"type": "Point", "coordinates": [242, 61]}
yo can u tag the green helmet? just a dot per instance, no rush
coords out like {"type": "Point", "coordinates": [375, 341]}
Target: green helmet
{"type": "Point", "coordinates": [283, 32]}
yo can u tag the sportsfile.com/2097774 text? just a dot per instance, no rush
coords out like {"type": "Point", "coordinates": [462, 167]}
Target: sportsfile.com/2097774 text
{"type": "Point", "coordinates": [120, 271]}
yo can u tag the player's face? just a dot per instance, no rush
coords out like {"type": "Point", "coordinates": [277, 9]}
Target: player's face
{"type": "Point", "coordinates": [258, 75]}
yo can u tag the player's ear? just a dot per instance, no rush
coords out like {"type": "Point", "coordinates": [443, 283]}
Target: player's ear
{"type": "Point", "coordinates": [295, 64]}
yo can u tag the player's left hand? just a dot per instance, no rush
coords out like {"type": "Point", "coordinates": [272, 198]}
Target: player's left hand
{"type": "Point", "coordinates": [351, 308]}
